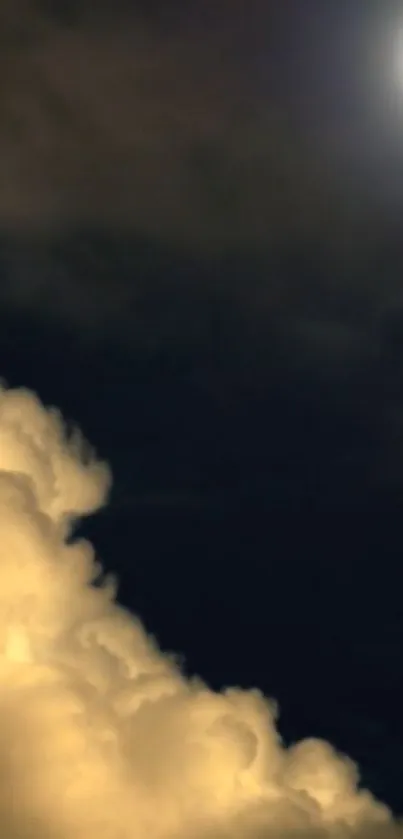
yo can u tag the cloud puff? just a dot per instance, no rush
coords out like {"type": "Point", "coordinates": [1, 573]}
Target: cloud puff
{"type": "Point", "coordinates": [100, 733]}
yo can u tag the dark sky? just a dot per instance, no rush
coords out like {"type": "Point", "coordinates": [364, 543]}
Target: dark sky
{"type": "Point", "coordinates": [201, 264]}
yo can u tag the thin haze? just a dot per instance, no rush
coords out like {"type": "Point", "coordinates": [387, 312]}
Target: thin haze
{"type": "Point", "coordinates": [111, 120]}
{"type": "Point", "coordinates": [101, 736]}
{"type": "Point", "coordinates": [176, 128]}
{"type": "Point", "coordinates": [174, 131]}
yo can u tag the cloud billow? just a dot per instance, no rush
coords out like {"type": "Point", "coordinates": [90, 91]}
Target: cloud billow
{"type": "Point", "coordinates": [101, 735]}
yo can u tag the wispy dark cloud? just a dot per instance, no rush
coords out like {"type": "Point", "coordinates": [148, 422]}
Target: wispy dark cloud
{"type": "Point", "coordinates": [167, 128]}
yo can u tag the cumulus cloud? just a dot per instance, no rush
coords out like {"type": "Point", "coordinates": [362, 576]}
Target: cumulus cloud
{"type": "Point", "coordinates": [100, 733]}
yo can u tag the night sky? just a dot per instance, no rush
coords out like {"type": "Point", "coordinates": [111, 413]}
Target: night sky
{"type": "Point", "coordinates": [201, 263]}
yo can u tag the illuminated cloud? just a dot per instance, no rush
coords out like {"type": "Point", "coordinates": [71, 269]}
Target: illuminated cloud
{"type": "Point", "coordinates": [101, 737]}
